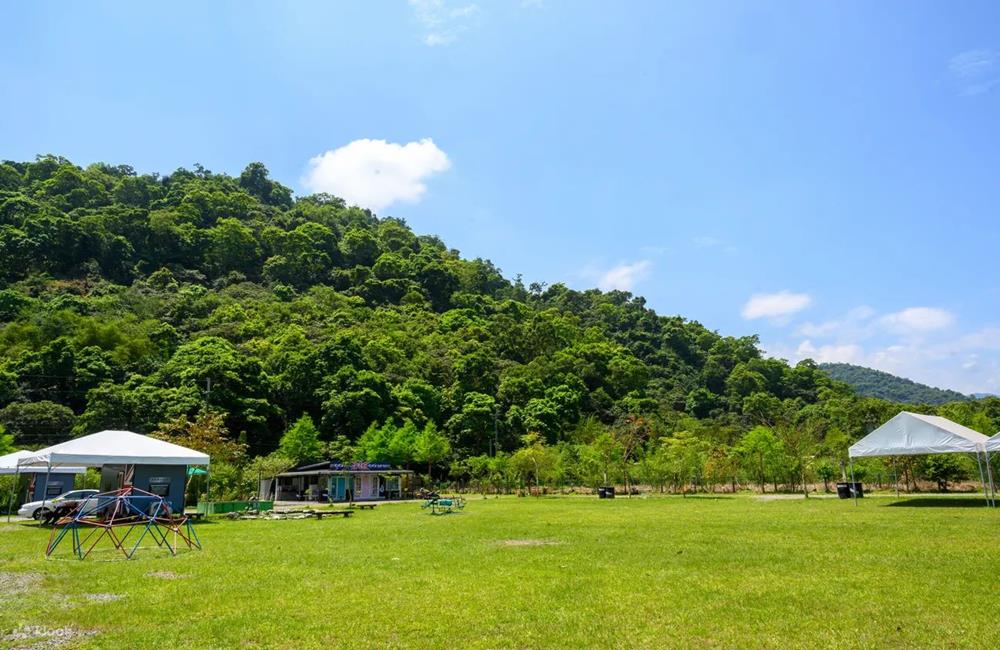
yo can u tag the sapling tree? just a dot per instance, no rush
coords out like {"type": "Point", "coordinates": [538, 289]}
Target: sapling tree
{"type": "Point", "coordinates": [761, 452]}
{"type": "Point", "coordinates": [430, 446]}
{"type": "Point", "coordinates": [944, 469]}
{"type": "Point", "coordinates": [534, 460]}
{"type": "Point", "coordinates": [826, 471]}
{"type": "Point", "coordinates": [630, 433]}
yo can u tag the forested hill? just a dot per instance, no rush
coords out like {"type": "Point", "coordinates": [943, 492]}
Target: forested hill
{"type": "Point", "coordinates": [129, 300]}
{"type": "Point", "coordinates": [875, 383]}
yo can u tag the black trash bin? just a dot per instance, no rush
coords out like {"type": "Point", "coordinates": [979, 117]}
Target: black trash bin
{"type": "Point", "coordinates": [609, 492]}
{"type": "Point", "coordinates": [601, 493]}
{"type": "Point", "coordinates": [848, 490]}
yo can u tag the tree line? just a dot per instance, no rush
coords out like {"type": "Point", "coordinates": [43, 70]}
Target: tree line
{"type": "Point", "coordinates": [168, 303]}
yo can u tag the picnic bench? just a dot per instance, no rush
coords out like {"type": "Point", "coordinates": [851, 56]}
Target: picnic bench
{"type": "Point", "coordinates": [319, 514]}
{"type": "Point", "coordinates": [363, 506]}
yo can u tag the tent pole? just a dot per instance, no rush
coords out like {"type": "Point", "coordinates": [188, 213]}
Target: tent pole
{"type": "Point", "coordinates": [13, 490]}
{"type": "Point", "coordinates": [982, 479]}
{"type": "Point", "coordinates": [45, 489]}
{"type": "Point", "coordinates": [854, 492]}
{"type": "Point", "coordinates": [989, 474]}
{"type": "Point", "coordinates": [895, 476]}
{"type": "Point", "coordinates": [208, 487]}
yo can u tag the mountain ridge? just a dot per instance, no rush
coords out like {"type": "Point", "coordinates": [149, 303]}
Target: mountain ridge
{"type": "Point", "coordinates": [870, 382]}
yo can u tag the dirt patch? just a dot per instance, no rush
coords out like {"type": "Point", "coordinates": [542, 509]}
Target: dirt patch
{"type": "Point", "coordinates": [37, 637]}
{"type": "Point", "coordinates": [164, 575]}
{"type": "Point", "coordinates": [12, 583]}
{"type": "Point", "coordinates": [528, 542]}
{"type": "Point", "coordinates": [103, 598]}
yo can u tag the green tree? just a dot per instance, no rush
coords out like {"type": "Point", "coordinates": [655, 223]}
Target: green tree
{"type": "Point", "coordinates": [685, 456]}
{"type": "Point", "coordinates": [207, 433]}
{"type": "Point", "coordinates": [534, 461]}
{"type": "Point", "coordinates": [761, 452]}
{"type": "Point", "coordinates": [826, 471]}
{"type": "Point", "coordinates": [943, 469]}
{"type": "Point", "coordinates": [6, 442]}
{"type": "Point", "coordinates": [37, 423]}
{"type": "Point", "coordinates": [431, 447]}
{"type": "Point", "coordinates": [301, 442]}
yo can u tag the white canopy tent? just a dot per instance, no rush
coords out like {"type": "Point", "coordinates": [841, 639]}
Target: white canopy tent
{"type": "Point", "coordinates": [993, 444]}
{"type": "Point", "coordinates": [114, 448]}
{"type": "Point", "coordinates": [111, 448]}
{"type": "Point", "coordinates": [8, 465]}
{"type": "Point", "coordinates": [914, 434]}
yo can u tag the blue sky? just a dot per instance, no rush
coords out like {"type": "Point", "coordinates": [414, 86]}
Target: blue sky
{"type": "Point", "coordinates": [823, 174]}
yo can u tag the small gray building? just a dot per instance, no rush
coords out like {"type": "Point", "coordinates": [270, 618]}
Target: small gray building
{"type": "Point", "coordinates": [337, 481]}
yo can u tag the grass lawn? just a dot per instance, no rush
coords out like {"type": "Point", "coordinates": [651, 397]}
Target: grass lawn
{"type": "Point", "coordinates": [553, 572]}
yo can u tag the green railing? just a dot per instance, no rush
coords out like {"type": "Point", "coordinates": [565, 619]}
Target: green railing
{"type": "Point", "coordinates": [222, 507]}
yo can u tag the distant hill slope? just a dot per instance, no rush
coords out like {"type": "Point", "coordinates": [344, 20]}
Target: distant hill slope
{"type": "Point", "coordinates": [875, 383]}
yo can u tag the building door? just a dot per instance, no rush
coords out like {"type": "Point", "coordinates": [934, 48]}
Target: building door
{"type": "Point", "coordinates": [340, 489]}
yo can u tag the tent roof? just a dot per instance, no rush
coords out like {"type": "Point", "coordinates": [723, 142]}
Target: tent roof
{"type": "Point", "coordinates": [993, 444]}
{"type": "Point", "coordinates": [8, 465]}
{"type": "Point", "coordinates": [909, 434]}
{"type": "Point", "coordinates": [115, 448]}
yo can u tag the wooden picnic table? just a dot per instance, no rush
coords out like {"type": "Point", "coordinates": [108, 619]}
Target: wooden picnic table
{"type": "Point", "coordinates": [363, 506]}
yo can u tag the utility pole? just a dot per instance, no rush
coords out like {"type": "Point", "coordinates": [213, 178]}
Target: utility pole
{"type": "Point", "coordinates": [208, 390]}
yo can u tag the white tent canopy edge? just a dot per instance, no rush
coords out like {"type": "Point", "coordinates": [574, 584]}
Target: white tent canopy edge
{"type": "Point", "coordinates": [912, 434]}
{"type": "Point", "coordinates": [8, 465]}
{"type": "Point", "coordinates": [114, 448]}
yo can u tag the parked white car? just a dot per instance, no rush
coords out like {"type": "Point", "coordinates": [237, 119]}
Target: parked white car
{"type": "Point", "coordinates": [35, 510]}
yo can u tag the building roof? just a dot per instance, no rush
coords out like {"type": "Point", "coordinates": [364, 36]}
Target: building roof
{"type": "Point", "coordinates": [337, 467]}
{"type": "Point", "coordinates": [314, 472]}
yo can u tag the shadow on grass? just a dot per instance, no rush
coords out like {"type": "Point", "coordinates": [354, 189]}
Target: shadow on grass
{"type": "Point", "coordinates": [939, 502]}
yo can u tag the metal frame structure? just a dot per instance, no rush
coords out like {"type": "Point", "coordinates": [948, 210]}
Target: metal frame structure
{"type": "Point", "coordinates": [116, 516]}
{"type": "Point", "coordinates": [440, 506]}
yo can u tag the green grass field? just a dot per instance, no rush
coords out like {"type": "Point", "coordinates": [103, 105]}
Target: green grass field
{"type": "Point", "coordinates": [529, 573]}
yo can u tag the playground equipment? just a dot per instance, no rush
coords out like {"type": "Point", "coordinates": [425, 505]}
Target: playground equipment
{"type": "Point", "coordinates": [441, 506]}
{"type": "Point", "coordinates": [115, 516]}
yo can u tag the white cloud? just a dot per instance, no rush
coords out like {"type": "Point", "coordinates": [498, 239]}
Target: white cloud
{"type": "Point", "coordinates": [707, 241]}
{"type": "Point", "coordinates": [817, 330]}
{"type": "Point", "coordinates": [848, 353]}
{"type": "Point", "coordinates": [775, 305]}
{"type": "Point", "coordinates": [852, 324]}
{"type": "Point", "coordinates": [920, 343]}
{"type": "Point", "coordinates": [443, 21]}
{"type": "Point", "coordinates": [624, 276]}
{"type": "Point", "coordinates": [977, 71]}
{"type": "Point", "coordinates": [917, 320]}
{"type": "Point", "coordinates": [987, 338]}
{"type": "Point", "coordinates": [374, 173]}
